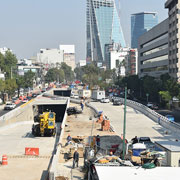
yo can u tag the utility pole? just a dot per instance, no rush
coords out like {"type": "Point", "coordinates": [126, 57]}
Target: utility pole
{"type": "Point", "coordinates": [124, 127]}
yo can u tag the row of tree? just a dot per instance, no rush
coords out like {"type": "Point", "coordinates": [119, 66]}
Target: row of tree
{"type": "Point", "coordinates": [160, 90]}
{"type": "Point", "coordinates": [13, 82]}
{"type": "Point", "coordinates": [61, 74]}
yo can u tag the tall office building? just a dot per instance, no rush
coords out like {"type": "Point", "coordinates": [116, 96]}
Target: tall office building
{"type": "Point", "coordinates": [141, 23]}
{"type": "Point", "coordinates": [173, 41]}
{"type": "Point", "coordinates": [103, 27]}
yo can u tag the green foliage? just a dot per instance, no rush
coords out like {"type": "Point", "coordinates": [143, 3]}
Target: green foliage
{"type": "Point", "coordinates": [7, 63]}
{"type": "Point", "coordinates": [69, 74]}
{"type": "Point", "coordinates": [28, 79]}
{"type": "Point", "coordinates": [93, 76]}
{"type": "Point", "coordinates": [54, 74]}
{"type": "Point", "coordinates": [10, 86]}
{"type": "Point", "coordinates": [2, 85]}
{"type": "Point", "coordinates": [165, 95]}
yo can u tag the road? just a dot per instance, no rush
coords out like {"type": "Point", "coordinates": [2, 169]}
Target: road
{"type": "Point", "coordinates": [13, 141]}
{"type": "Point", "coordinates": [137, 124]}
{"type": "Point", "coordinates": [3, 112]}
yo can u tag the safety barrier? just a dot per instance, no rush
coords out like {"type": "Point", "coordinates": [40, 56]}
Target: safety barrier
{"type": "Point", "coordinates": [32, 151]}
{"type": "Point", "coordinates": [162, 120]}
{"type": "Point", "coordinates": [53, 169]}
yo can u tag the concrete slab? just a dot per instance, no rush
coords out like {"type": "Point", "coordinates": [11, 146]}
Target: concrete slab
{"type": "Point", "coordinates": [137, 124]}
{"type": "Point", "coordinates": [13, 141]}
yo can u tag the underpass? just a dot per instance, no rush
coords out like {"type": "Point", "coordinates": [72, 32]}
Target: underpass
{"type": "Point", "coordinates": [16, 135]}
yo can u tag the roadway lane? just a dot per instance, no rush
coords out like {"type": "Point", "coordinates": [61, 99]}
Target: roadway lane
{"type": "Point", "coordinates": [137, 124]}
{"type": "Point", "coordinates": [3, 112]}
{"type": "Point", "coordinates": [13, 141]}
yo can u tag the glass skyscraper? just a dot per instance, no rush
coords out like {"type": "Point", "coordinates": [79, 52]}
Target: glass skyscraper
{"type": "Point", "coordinates": [141, 23]}
{"type": "Point", "coordinates": [103, 27]}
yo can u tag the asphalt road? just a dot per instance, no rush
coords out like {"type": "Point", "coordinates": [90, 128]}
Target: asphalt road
{"type": "Point", "coordinates": [3, 112]}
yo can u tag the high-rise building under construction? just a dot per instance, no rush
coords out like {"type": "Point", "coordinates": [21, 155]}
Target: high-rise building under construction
{"type": "Point", "coordinates": [103, 27]}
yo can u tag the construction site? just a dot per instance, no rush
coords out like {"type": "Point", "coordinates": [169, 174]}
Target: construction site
{"type": "Point", "coordinates": [35, 141]}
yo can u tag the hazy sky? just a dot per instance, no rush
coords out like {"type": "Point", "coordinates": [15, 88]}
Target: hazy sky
{"type": "Point", "coordinates": [26, 26]}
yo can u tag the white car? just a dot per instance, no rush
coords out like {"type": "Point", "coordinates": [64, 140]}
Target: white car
{"type": "Point", "coordinates": [105, 100]}
{"type": "Point", "coordinates": [9, 106]}
{"type": "Point", "coordinates": [74, 96]}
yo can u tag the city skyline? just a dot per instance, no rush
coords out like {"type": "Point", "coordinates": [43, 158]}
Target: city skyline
{"type": "Point", "coordinates": [30, 26]}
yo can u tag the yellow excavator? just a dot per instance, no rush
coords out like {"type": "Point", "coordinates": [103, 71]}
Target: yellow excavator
{"type": "Point", "coordinates": [45, 124]}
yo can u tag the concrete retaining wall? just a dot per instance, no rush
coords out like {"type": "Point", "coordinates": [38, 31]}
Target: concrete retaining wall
{"type": "Point", "coordinates": [53, 172]}
{"type": "Point", "coordinates": [22, 113]}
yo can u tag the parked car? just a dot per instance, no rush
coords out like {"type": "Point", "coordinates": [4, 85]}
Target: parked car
{"type": "Point", "coordinates": [170, 117]}
{"type": "Point", "coordinates": [74, 96]}
{"type": "Point", "coordinates": [25, 100]}
{"type": "Point", "coordinates": [43, 90]}
{"type": "Point", "coordinates": [105, 100]}
{"type": "Point", "coordinates": [117, 103]}
{"type": "Point", "coordinates": [9, 106]}
{"type": "Point", "coordinates": [73, 110]}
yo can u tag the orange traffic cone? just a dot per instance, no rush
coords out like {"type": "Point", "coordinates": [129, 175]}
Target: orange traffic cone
{"type": "Point", "coordinates": [4, 160]}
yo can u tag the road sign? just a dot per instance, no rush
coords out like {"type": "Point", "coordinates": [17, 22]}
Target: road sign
{"type": "Point", "coordinates": [147, 94]}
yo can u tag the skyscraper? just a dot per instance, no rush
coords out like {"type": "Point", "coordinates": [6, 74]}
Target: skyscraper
{"type": "Point", "coordinates": [141, 23]}
{"type": "Point", "coordinates": [103, 27]}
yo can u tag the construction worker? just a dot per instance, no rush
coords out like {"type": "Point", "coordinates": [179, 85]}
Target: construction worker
{"type": "Point", "coordinates": [69, 140]}
{"type": "Point", "coordinates": [134, 140]}
{"type": "Point", "coordinates": [75, 158]}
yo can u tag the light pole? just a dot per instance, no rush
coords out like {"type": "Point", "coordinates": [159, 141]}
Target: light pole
{"type": "Point", "coordinates": [124, 127]}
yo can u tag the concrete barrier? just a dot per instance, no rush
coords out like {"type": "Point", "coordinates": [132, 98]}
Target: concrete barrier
{"type": "Point", "coordinates": [22, 113]}
{"type": "Point", "coordinates": [53, 172]}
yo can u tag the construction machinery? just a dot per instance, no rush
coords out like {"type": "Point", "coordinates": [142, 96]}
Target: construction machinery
{"type": "Point", "coordinates": [44, 124]}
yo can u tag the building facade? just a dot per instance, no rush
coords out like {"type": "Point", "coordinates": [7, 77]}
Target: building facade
{"type": "Point", "coordinates": [103, 27]}
{"type": "Point", "coordinates": [50, 56]}
{"type": "Point", "coordinates": [141, 23]}
{"type": "Point", "coordinates": [69, 55]}
{"type": "Point", "coordinates": [174, 34]}
{"type": "Point", "coordinates": [153, 51]}
{"type": "Point", "coordinates": [132, 62]}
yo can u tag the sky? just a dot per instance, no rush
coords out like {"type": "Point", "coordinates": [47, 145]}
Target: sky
{"type": "Point", "coordinates": [26, 26]}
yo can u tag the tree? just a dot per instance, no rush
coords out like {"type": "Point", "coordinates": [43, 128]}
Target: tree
{"type": "Point", "coordinates": [54, 74]}
{"type": "Point", "coordinates": [151, 87]}
{"type": "Point", "coordinates": [10, 86]}
{"type": "Point", "coordinates": [28, 79]}
{"type": "Point", "coordinates": [20, 81]}
{"type": "Point", "coordinates": [69, 75]}
{"type": "Point", "coordinates": [10, 61]}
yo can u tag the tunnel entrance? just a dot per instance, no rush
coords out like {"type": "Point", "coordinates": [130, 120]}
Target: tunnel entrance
{"type": "Point", "coordinates": [59, 109]}
{"type": "Point", "coordinates": [65, 93]}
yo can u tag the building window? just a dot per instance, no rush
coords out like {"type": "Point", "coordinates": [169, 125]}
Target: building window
{"type": "Point", "coordinates": [176, 60]}
{"type": "Point", "coordinates": [176, 40]}
{"type": "Point", "coordinates": [176, 30]}
{"type": "Point", "coordinates": [176, 50]}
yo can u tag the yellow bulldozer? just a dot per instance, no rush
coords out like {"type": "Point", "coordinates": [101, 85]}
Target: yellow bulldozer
{"type": "Point", "coordinates": [44, 124]}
